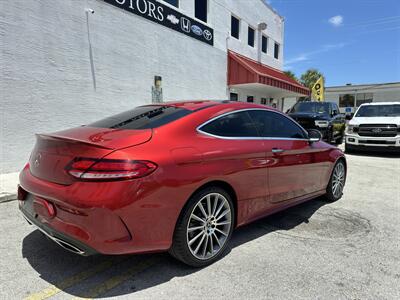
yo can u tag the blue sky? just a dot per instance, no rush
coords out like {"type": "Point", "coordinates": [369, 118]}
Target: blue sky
{"type": "Point", "coordinates": [353, 41]}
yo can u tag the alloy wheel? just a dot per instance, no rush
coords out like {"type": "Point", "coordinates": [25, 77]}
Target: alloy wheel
{"type": "Point", "coordinates": [209, 226]}
{"type": "Point", "coordinates": [338, 180]}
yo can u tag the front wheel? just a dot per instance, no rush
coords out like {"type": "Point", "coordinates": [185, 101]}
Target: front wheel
{"type": "Point", "coordinates": [204, 228]}
{"type": "Point", "coordinates": [336, 183]}
{"type": "Point", "coordinates": [339, 140]}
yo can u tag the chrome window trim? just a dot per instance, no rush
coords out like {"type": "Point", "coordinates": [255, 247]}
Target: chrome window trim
{"type": "Point", "coordinates": [249, 137]}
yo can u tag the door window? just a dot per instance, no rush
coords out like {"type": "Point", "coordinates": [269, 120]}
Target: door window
{"type": "Point", "coordinates": [335, 108]}
{"type": "Point", "coordinates": [233, 125]}
{"type": "Point", "coordinates": [274, 125]}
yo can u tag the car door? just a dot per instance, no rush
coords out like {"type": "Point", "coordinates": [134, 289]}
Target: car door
{"type": "Point", "coordinates": [232, 147]}
{"type": "Point", "coordinates": [293, 167]}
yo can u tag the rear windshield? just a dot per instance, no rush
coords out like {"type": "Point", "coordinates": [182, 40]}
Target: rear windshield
{"type": "Point", "coordinates": [311, 107]}
{"type": "Point", "coordinates": [379, 111]}
{"type": "Point", "coordinates": [143, 117]}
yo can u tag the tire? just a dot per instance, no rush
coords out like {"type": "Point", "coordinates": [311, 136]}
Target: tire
{"type": "Point", "coordinates": [330, 136]}
{"type": "Point", "coordinates": [339, 140]}
{"type": "Point", "coordinates": [348, 149]}
{"type": "Point", "coordinates": [210, 216]}
{"type": "Point", "coordinates": [334, 191]}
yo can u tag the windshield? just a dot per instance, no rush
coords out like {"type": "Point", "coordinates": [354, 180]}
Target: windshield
{"type": "Point", "coordinates": [311, 107]}
{"type": "Point", "coordinates": [143, 117]}
{"type": "Point", "coordinates": [392, 110]}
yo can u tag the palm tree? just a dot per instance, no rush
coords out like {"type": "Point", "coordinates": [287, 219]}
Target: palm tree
{"type": "Point", "coordinates": [310, 77]}
{"type": "Point", "coordinates": [291, 75]}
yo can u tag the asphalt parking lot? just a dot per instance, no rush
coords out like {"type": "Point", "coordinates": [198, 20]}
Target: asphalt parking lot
{"type": "Point", "coordinates": [345, 250]}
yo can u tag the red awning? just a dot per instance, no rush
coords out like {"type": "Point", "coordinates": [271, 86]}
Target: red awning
{"type": "Point", "coordinates": [243, 70]}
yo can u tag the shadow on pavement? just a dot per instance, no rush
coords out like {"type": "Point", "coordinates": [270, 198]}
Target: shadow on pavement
{"type": "Point", "coordinates": [107, 276]}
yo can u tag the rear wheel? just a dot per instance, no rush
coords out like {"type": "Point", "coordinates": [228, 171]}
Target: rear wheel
{"type": "Point", "coordinates": [204, 228]}
{"type": "Point", "coordinates": [336, 184]}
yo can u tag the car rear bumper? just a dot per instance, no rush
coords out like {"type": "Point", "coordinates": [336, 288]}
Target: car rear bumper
{"type": "Point", "coordinates": [378, 143]}
{"type": "Point", "coordinates": [98, 217]}
{"type": "Point", "coordinates": [65, 241]}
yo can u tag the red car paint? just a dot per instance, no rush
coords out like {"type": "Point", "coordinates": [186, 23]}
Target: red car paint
{"type": "Point", "coordinates": [139, 215]}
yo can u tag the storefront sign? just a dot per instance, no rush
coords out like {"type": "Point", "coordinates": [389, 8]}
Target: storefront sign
{"type": "Point", "coordinates": [166, 16]}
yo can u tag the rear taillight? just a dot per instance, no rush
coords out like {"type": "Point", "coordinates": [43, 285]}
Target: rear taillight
{"type": "Point", "coordinates": [109, 169]}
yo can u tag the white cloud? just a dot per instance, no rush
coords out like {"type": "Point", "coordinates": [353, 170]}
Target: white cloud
{"type": "Point", "coordinates": [336, 20]}
{"type": "Point", "coordinates": [306, 56]}
{"type": "Point", "coordinates": [300, 57]}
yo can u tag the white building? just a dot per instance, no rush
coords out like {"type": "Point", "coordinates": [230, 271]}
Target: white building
{"type": "Point", "coordinates": [66, 62]}
{"type": "Point", "coordinates": [349, 97]}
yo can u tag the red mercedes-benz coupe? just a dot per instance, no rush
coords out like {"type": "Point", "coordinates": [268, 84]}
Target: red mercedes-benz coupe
{"type": "Point", "coordinates": [174, 176]}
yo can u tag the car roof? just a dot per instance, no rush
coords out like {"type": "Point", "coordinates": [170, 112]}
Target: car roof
{"type": "Point", "coordinates": [380, 103]}
{"type": "Point", "coordinates": [195, 105]}
{"type": "Point", "coordinates": [322, 102]}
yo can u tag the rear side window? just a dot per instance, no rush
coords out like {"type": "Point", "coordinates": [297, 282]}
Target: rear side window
{"type": "Point", "coordinates": [233, 125]}
{"type": "Point", "coordinates": [335, 107]}
{"type": "Point", "coordinates": [274, 125]}
{"type": "Point", "coordinates": [143, 117]}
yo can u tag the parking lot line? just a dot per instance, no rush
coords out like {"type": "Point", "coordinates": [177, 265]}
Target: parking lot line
{"type": "Point", "coordinates": [114, 281]}
{"type": "Point", "coordinates": [71, 281]}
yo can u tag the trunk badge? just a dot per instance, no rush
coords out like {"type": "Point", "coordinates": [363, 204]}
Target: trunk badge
{"type": "Point", "coordinates": [37, 160]}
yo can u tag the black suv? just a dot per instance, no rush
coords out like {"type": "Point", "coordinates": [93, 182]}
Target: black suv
{"type": "Point", "coordinates": [323, 116]}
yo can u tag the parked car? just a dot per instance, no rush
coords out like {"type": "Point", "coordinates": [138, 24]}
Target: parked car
{"type": "Point", "coordinates": [323, 116]}
{"type": "Point", "coordinates": [375, 126]}
{"type": "Point", "coordinates": [175, 177]}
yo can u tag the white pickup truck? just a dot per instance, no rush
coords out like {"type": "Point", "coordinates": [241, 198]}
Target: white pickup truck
{"type": "Point", "coordinates": [375, 126]}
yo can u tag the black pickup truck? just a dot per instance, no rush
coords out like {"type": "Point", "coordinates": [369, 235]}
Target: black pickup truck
{"type": "Point", "coordinates": [323, 116]}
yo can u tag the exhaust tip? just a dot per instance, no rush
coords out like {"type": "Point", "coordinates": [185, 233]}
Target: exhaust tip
{"type": "Point", "coordinates": [62, 243]}
{"type": "Point", "coordinates": [69, 247]}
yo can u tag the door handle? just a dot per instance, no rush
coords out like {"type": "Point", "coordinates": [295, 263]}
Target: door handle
{"type": "Point", "coordinates": [277, 150]}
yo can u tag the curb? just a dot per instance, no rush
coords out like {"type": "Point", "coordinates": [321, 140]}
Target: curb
{"type": "Point", "coordinates": [7, 197]}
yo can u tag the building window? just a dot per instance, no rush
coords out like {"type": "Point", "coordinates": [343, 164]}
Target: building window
{"type": "Point", "coordinates": [201, 9]}
{"type": "Point", "coordinates": [364, 98]}
{"type": "Point", "coordinates": [264, 101]}
{"type": "Point", "coordinates": [173, 2]}
{"type": "Point", "coordinates": [346, 100]}
{"type": "Point", "coordinates": [234, 97]}
{"type": "Point", "coordinates": [250, 98]}
{"type": "Point", "coordinates": [250, 38]}
{"type": "Point", "coordinates": [235, 27]}
{"type": "Point", "coordinates": [276, 51]}
{"type": "Point", "coordinates": [264, 44]}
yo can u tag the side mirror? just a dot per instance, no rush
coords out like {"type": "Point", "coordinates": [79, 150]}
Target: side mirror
{"type": "Point", "coordinates": [314, 135]}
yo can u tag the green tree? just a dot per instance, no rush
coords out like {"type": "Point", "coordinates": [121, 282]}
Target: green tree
{"type": "Point", "coordinates": [291, 75]}
{"type": "Point", "coordinates": [311, 76]}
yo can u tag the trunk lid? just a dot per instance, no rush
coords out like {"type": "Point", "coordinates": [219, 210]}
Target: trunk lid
{"type": "Point", "coordinates": [53, 152]}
